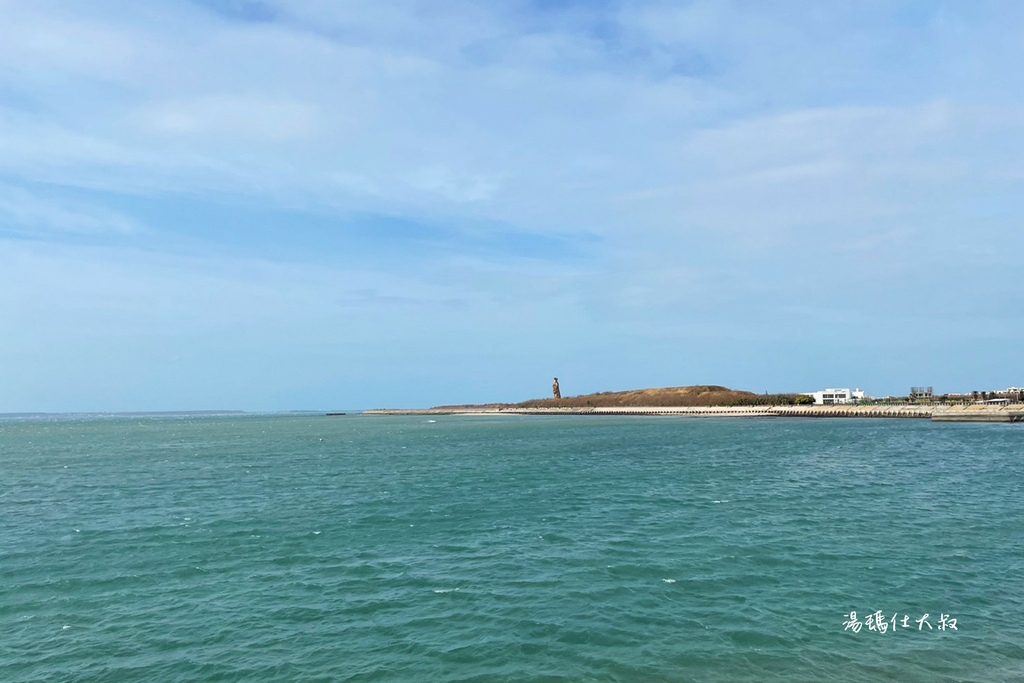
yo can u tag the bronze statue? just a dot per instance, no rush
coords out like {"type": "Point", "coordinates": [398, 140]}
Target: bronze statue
{"type": "Point", "coordinates": [555, 390]}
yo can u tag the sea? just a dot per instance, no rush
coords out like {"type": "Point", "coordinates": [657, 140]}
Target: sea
{"type": "Point", "coordinates": [510, 549]}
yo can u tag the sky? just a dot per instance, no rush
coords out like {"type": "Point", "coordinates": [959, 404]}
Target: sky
{"type": "Point", "coordinates": [353, 204]}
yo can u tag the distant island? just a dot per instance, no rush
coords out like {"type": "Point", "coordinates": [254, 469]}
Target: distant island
{"type": "Point", "coordinates": [700, 395]}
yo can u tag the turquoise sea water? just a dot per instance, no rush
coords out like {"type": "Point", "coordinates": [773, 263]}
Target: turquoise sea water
{"type": "Point", "coordinates": [284, 548]}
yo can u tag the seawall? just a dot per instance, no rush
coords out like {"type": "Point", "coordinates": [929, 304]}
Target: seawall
{"type": "Point", "coordinates": [981, 413]}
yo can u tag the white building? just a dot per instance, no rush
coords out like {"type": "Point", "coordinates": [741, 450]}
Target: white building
{"type": "Point", "coordinates": [832, 397]}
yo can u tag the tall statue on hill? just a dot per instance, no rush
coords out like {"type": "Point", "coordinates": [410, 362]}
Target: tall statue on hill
{"type": "Point", "coordinates": [555, 390]}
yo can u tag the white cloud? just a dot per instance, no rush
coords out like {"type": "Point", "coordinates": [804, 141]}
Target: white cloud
{"type": "Point", "coordinates": [24, 212]}
{"type": "Point", "coordinates": [369, 108]}
{"type": "Point", "coordinates": [440, 180]}
{"type": "Point", "coordinates": [43, 41]}
{"type": "Point", "coordinates": [232, 117]}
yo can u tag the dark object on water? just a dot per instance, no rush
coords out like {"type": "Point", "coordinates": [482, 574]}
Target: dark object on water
{"type": "Point", "coordinates": [335, 414]}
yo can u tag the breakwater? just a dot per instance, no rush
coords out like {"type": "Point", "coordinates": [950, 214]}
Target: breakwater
{"type": "Point", "coordinates": [938, 413]}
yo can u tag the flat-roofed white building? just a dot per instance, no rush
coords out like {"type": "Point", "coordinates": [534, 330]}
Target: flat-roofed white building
{"type": "Point", "coordinates": [832, 397]}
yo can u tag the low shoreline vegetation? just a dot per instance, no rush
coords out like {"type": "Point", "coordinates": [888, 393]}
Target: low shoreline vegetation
{"type": "Point", "coordinates": [695, 396]}
{"type": "Point", "coordinates": [704, 395]}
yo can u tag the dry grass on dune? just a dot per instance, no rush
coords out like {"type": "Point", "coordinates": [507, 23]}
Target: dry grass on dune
{"type": "Point", "coordinates": [703, 395]}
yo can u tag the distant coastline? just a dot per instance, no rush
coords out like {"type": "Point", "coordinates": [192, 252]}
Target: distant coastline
{"type": "Point", "coordinates": [131, 413]}
{"type": "Point", "coordinates": [974, 413]}
{"type": "Point", "coordinates": [718, 401]}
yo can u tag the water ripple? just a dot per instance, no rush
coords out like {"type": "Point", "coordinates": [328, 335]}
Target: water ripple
{"type": "Point", "coordinates": [513, 549]}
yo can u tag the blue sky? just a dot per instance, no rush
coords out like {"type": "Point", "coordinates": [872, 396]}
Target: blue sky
{"type": "Point", "coordinates": [268, 205]}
